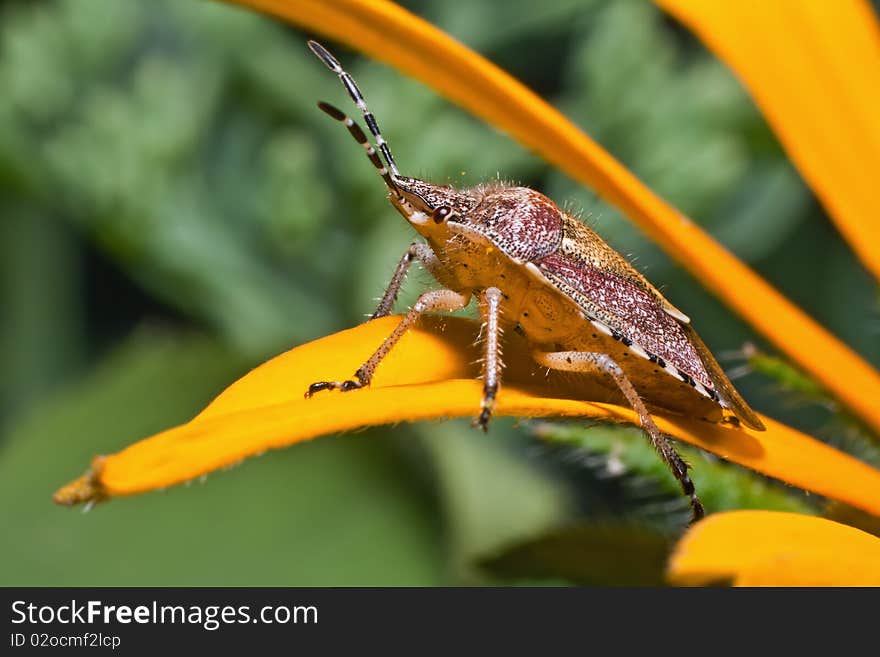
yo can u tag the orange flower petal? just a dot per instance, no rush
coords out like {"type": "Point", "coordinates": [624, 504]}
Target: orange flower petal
{"type": "Point", "coordinates": [771, 548]}
{"type": "Point", "coordinates": [390, 33]}
{"type": "Point", "coordinates": [266, 410]}
{"type": "Point", "coordinates": [813, 67]}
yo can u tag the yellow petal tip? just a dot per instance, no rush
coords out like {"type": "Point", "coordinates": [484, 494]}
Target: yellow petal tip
{"type": "Point", "coordinates": [86, 488]}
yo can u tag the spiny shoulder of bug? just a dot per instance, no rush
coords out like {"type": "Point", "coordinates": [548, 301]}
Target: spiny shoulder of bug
{"type": "Point", "coordinates": [522, 223]}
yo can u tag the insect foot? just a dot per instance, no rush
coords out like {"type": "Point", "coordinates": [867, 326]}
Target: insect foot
{"type": "Point", "coordinates": [342, 386]}
{"type": "Point", "coordinates": [482, 420]}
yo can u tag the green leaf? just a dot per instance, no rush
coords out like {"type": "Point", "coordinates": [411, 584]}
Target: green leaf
{"type": "Point", "coordinates": [627, 454]}
{"type": "Point", "coordinates": [490, 496]}
{"type": "Point", "coordinates": [598, 554]}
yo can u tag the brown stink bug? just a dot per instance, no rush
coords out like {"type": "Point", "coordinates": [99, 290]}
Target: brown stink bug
{"type": "Point", "coordinates": [532, 267]}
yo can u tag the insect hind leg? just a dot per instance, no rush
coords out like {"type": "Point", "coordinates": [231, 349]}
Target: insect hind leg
{"type": "Point", "coordinates": [592, 362]}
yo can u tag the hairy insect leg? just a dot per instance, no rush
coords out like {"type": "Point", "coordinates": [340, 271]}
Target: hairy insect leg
{"type": "Point", "coordinates": [416, 251]}
{"type": "Point", "coordinates": [434, 300]}
{"type": "Point", "coordinates": [490, 310]}
{"type": "Point", "coordinates": [582, 361]}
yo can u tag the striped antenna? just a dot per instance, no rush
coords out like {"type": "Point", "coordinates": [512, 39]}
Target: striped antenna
{"type": "Point", "coordinates": [355, 130]}
{"type": "Point", "coordinates": [351, 87]}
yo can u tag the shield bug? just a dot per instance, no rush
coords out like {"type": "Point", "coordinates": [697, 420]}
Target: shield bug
{"type": "Point", "coordinates": [534, 268]}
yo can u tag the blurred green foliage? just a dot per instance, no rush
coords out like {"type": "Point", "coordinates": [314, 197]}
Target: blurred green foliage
{"type": "Point", "coordinates": [174, 209]}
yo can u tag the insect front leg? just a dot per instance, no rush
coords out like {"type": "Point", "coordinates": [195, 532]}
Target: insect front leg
{"type": "Point", "coordinates": [416, 251]}
{"type": "Point", "coordinates": [435, 300]}
{"type": "Point", "coordinates": [583, 361]}
{"type": "Point", "coordinates": [490, 310]}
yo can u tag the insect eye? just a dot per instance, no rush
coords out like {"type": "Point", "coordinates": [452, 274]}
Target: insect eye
{"type": "Point", "coordinates": [441, 214]}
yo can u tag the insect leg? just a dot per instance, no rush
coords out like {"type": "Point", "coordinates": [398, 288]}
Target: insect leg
{"type": "Point", "coordinates": [490, 310]}
{"type": "Point", "coordinates": [582, 361]}
{"type": "Point", "coordinates": [429, 301]}
{"type": "Point", "coordinates": [416, 251]}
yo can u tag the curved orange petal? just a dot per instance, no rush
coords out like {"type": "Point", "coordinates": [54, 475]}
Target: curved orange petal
{"type": "Point", "coordinates": [390, 33]}
{"type": "Point", "coordinates": [813, 67]}
{"type": "Point", "coordinates": [771, 548]}
{"type": "Point", "coordinates": [266, 410]}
